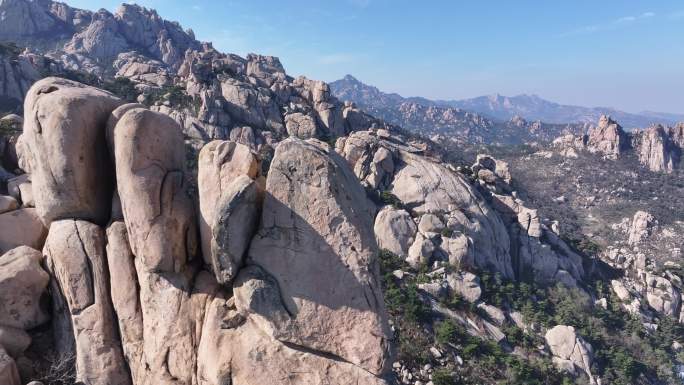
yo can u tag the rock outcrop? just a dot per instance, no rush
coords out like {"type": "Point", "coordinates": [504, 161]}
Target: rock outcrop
{"type": "Point", "coordinates": [75, 256]}
{"type": "Point", "coordinates": [608, 138]}
{"type": "Point", "coordinates": [570, 351]}
{"type": "Point", "coordinates": [315, 239]}
{"type": "Point", "coordinates": [641, 227]}
{"type": "Point", "coordinates": [659, 149]}
{"type": "Point", "coordinates": [133, 304]}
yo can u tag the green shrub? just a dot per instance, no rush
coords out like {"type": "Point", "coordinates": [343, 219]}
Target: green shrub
{"type": "Point", "coordinates": [388, 198]}
{"type": "Point", "coordinates": [445, 332]}
{"type": "Point", "coordinates": [123, 88]}
{"type": "Point", "coordinates": [10, 50]}
{"type": "Point", "coordinates": [443, 376]}
{"type": "Point", "coordinates": [8, 128]}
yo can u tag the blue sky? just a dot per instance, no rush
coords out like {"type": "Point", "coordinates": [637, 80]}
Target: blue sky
{"type": "Point", "coordinates": [626, 54]}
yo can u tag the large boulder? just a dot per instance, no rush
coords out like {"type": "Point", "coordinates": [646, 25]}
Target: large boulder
{"type": "Point", "coordinates": [22, 283]}
{"type": "Point", "coordinates": [466, 285]}
{"type": "Point", "coordinates": [394, 230]}
{"type": "Point", "coordinates": [662, 296]}
{"type": "Point", "coordinates": [150, 164]}
{"type": "Point", "coordinates": [21, 189]}
{"type": "Point", "coordinates": [315, 239]}
{"type": "Point", "coordinates": [229, 205]}
{"type": "Point", "coordinates": [64, 131]}
{"type": "Point", "coordinates": [658, 151]}
{"type": "Point", "coordinates": [300, 125]}
{"type": "Point", "coordinates": [75, 255]}
{"type": "Point", "coordinates": [570, 351]}
{"type": "Point", "coordinates": [21, 227]}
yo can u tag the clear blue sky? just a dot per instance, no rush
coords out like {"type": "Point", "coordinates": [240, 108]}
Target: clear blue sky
{"type": "Point", "coordinates": [626, 54]}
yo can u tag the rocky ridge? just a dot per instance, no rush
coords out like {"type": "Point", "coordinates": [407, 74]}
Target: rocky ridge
{"type": "Point", "coordinates": [442, 122]}
{"type": "Point", "coordinates": [498, 108]}
{"type": "Point", "coordinates": [239, 278]}
{"type": "Point", "coordinates": [659, 148]}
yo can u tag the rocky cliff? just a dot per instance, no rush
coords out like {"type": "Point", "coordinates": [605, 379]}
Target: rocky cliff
{"type": "Point", "coordinates": [203, 218]}
{"type": "Point", "coordinates": [658, 148]}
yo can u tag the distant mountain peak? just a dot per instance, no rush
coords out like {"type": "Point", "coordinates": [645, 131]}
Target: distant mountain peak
{"type": "Point", "coordinates": [530, 107]}
{"type": "Point", "coordinates": [351, 78]}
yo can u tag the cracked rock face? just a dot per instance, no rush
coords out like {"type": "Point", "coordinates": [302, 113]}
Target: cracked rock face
{"type": "Point", "coordinates": [75, 256]}
{"type": "Point", "coordinates": [316, 240]}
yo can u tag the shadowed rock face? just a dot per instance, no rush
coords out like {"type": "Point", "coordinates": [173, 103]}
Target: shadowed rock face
{"type": "Point", "coordinates": [316, 240]}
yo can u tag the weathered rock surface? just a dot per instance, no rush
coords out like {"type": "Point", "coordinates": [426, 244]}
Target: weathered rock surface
{"type": "Point", "coordinates": [21, 227]}
{"type": "Point", "coordinates": [300, 125]}
{"type": "Point", "coordinates": [466, 285]}
{"type": "Point", "coordinates": [236, 349]}
{"type": "Point", "coordinates": [236, 221]}
{"type": "Point", "coordinates": [659, 152]}
{"type": "Point", "coordinates": [22, 283]}
{"type": "Point", "coordinates": [14, 340]}
{"type": "Point", "coordinates": [662, 296]}
{"type": "Point", "coordinates": [316, 240]}
{"type": "Point", "coordinates": [394, 230]}
{"type": "Point", "coordinates": [75, 256]}
{"type": "Point", "coordinates": [420, 252]}
{"type": "Point", "coordinates": [569, 348]}
{"type": "Point", "coordinates": [150, 164]}
{"type": "Point", "coordinates": [608, 138]}
{"type": "Point", "coordinates": [640, 228]}
{"type": "Point", "coordinates": [229, 205]}
{"type": "Point", "coordinates": [64, 131]}
{"type": "Point", "coordinates": [431, 188]}
{"type": "Point", "coordinates": [9, 375]}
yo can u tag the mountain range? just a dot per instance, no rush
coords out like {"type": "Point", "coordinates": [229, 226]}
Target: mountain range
{"type": "Point", "coordinates": [499, 107]}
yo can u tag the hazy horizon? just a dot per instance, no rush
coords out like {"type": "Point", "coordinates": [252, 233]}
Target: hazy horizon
{"type": "Point", "coordinates": [610, 54]}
